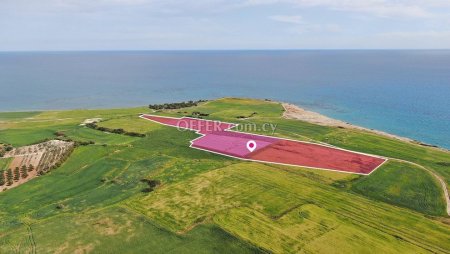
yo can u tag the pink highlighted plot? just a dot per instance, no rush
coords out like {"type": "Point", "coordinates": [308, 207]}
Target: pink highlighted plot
{"type": "Point", "coordinates": [227, 143]}
{"type": "Point", "coordinates": [217, 137]}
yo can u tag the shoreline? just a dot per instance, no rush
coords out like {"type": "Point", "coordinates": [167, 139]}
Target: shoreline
{"type": "Point", "coordinates": [291, 111]}
{"type": "Point", "coordinates": [295, 112]}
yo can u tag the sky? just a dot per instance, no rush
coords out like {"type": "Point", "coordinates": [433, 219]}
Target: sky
{"type": "Point", "coordinates": [58, 25]}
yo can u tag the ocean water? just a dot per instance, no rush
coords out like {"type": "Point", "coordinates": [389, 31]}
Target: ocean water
{"type": "Point", "coordinates": [402, 92]}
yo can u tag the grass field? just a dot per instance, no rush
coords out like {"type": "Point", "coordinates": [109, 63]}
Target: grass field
{"type": "Point", "coordinates": [397, 183]}
{"type": "Point", "coordinates": [8, 116]}
{"type": "Point", "coordinates": [245, 196]}
{"type": "Point", "coordinates": [117, 230]}
{"type": "Point", "coordinates": [208, 203]}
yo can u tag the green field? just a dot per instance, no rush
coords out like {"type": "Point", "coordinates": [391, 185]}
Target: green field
{"type": "Point", "coordinates": [208, 203]}
{"type": "Point", "coordinates": [397, 183]}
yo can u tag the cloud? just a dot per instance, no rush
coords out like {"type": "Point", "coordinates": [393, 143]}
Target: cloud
{"type": "Point", "coordinates": [287, 19]}
{"type": "Point", "coordinates": [88, 24]}
{"type": "Point", "coordinates": [299, 26]}
{"type": "Point", "coordinates": [380, 8]}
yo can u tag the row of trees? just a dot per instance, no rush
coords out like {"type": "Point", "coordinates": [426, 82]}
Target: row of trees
{"type": "Point", "coordinates": [175, 105]}
{"type": "Point", "coordinates": [116, 131]}
{"type": "Point", "coordinates": [10, 176]}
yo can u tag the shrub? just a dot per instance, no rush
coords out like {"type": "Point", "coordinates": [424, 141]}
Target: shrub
{"type": "Point", "coordinates": [152, 184]}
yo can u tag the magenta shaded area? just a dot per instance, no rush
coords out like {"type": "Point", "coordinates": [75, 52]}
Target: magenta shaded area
{"type": "Point", "coordinates": [162, 120]}
{"type": "Point", "coordinates": [317, 156]}
{"type": "Point", "coordinates": [234, 145]}
{"type": "Point", "coordinates": [217, 138]}
{"type": "Point", "coordinates": [247, 136]}
{"type": "Point", "coordinates": [202, 126]}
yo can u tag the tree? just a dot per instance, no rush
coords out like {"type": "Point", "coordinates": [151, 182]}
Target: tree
{"type": "Point", "coordinates": [16, 174]}
{"type": "Point", "coordinates": [9, 177]}
{"type": "Point", "coordinates": [2, 177]}
{"type": "Point", "coordinates": [24, 171]}
{"type": "Point", "coordinates": [30, 168]}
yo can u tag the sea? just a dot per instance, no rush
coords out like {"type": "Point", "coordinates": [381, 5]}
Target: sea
{"type": "Point", "coordinates": [403, 92]}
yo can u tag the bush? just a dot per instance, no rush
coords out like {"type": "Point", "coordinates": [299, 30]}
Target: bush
{"type": "Point", "coordinates": [152, 184]}
{"type": "Point", "coordinates": [197, 114]}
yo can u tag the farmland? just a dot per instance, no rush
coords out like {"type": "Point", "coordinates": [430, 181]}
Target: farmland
{"type": "Point", "coordinates": [25, 163]}
{"type": "Point", "coordinates": [207, 203]}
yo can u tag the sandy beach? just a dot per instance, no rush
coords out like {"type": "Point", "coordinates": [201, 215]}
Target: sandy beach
{"type": "Point", "coordinates": [295, 112]}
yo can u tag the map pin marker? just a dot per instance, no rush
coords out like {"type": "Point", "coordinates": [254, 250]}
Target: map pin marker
{"type": "Point", "coordinates": [251, 145]}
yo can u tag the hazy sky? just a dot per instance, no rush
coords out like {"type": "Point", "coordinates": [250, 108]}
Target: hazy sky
{"type": "Point", "coordinates": [223, 24]}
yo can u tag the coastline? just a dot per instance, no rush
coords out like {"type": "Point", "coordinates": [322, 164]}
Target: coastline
{"type": "Point", "coordinates": [295, 112]}
{"type": "Point", "coordinates": [291, 111]}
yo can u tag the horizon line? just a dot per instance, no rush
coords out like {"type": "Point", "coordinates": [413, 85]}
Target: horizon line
{"type": "Point", "coordinates": [205, 50]}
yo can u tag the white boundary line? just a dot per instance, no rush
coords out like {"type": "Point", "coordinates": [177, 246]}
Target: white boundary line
{"type": "Point", "coordinates": [233, 125]}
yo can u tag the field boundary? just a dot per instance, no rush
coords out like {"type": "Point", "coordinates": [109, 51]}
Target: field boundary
{"type": "Point", "coordinates": [233, 125]}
